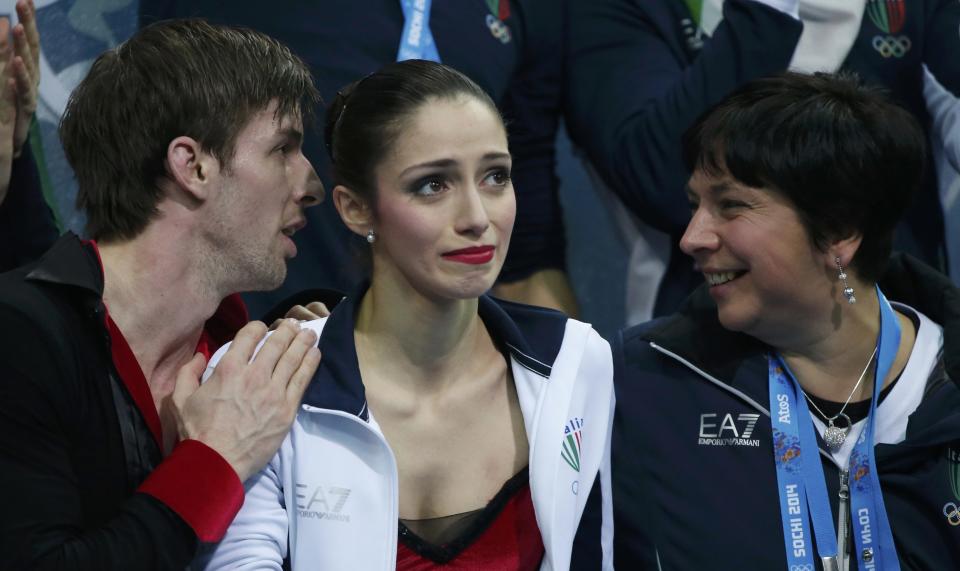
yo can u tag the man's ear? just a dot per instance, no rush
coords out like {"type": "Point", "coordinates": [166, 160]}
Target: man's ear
{"type": "Point", "coordinates": [355, 211]}
{"type": "Point", "coordinates": [190, 167]}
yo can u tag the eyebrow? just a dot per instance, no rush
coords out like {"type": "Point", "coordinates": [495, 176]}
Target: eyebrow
{"type": "Point", "coordinates": [447, 163]}
{"type": "Point", "coordinates": [291, 134]}
{"type": "Point", "coordinates": [721, 187]}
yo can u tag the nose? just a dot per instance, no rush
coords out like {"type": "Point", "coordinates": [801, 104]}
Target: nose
{"type": "Point", "coordinates": [473, 218]}
{"type": "Point", "coordinates": [310, 191]}
{"type": "Point", "coordinates": [700, 234]}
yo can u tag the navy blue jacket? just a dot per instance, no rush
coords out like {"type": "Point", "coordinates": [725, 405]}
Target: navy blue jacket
{"type": "Point", "coordinates": [639, 76]}
{"type": "Point", "coordinates": [717, 507]}
{"type": "Point", "coordinates": [344, 40]}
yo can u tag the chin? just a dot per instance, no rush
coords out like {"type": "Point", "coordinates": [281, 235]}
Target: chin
{"type": "Point", "coordinates": [267, 280]}
{"type": "Point", "coordinates": [733, 320]}
{"type": "Point", "coordinates": [464, 288]}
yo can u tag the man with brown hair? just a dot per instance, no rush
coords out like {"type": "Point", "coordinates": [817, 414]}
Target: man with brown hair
{"type": "Point", "coordinates": [185, 141]}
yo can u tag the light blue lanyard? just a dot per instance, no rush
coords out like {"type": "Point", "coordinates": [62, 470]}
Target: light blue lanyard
{"type": "Point", "coordinates": [800, 475]}
{"type": "Point", "coordinates": [417, 39]}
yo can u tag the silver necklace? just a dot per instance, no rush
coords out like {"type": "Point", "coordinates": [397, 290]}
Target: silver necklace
{"type": "Point", "coordinates": [834, 436]}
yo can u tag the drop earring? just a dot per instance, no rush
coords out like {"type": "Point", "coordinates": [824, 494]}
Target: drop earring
{"type": "Point", "coordinates": [372, 237]}
{"type": "Point", "coordinates": [847, 290]}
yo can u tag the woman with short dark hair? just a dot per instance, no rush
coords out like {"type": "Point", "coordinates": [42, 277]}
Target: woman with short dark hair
{"type": "Point", "coordinates": [445, 427]}
{"type": "Point", "coordinates": [790, 416]}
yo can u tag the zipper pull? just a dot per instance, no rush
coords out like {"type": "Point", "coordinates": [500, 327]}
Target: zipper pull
{"type": "Point", "coordinates": [843, 521]}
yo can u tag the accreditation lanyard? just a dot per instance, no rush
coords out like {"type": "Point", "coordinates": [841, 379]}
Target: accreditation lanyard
{"type": "Point", "coordinates": [800, 480]}
{"type": "Point", "coordinates": [417, 39]}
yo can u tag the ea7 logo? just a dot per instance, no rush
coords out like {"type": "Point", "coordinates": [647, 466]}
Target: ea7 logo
{"type": "Point", "coordinates": [710, 428]}
{"type": "Point", "coordinates": [322, 502]}
{"type": "Point", "coordinates": [727, 430]}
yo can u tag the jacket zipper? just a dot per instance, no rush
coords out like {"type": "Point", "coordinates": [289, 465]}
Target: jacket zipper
{"type": "Point", "coordinates": [843, 522]}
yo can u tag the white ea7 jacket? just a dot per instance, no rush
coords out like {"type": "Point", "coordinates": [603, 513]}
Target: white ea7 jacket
{"type": "Point", "coordinates": [328, 499]}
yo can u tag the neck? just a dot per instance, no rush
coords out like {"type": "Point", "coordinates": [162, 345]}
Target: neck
{"type": "Point", "coordinates": [829, 356]}
{"type": "Point", "coordinates": [423, 340]}
{"type": "Point", "coordinates": [156, 291]}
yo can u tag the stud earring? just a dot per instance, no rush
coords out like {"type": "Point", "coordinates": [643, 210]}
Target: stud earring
{"type": "Point", "coordinates": [372, 236]}
{"type": "Point", "coordinates": [847, 290]}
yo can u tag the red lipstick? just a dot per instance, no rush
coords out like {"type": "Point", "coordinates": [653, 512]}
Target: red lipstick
{"type": "Point", "coordinates": [474, 255]}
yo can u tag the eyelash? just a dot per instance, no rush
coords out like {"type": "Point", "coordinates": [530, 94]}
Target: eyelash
{"type": "Point", "coordinates": [418, 187]}
{"type": "Point", "coordinates": [504, 175]}
{"type": "Point", "coordinates": [727, 204]}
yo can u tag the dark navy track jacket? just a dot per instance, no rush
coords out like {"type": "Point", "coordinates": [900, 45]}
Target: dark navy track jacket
{"type": "Point", "coordinates": [682, 505]}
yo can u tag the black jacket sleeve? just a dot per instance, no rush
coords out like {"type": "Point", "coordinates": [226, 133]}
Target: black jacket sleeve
{"type": "Point", "coordinates": [45, 520]}
{"type": "Point", "coordinates": [636, 83]}
{"type": "Point", "coordinates": [27, 226]}
{"type": "Point", "coordinates": [531, 107]}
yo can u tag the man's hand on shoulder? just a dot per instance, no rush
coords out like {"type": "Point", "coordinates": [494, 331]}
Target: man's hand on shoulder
{"type": "Point", "coordinates": [245, 409]}
{"type": "Point", "coordinates": [311, 311]}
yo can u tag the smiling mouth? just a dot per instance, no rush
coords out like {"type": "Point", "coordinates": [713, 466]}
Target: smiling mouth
{"type": "Point", "coordinates": [720, 278]}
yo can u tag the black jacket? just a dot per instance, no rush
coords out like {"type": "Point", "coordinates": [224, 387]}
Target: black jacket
{"type": "Point", "coordinates": [86, 486]}
{"type": "Point", "coordinates": [689, 506]}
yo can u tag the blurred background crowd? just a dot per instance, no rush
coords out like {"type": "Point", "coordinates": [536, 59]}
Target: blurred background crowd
{"type": "Point", "coordinates": [596, 93]}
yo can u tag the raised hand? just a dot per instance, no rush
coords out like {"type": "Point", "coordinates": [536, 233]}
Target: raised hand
{"type": "Point", "coordinates": [8, 109]}
{"type": "Point", "coordinates": [26, 70]}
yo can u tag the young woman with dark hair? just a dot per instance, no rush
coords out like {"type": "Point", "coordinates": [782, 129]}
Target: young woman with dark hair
{"type": "Point", "coordinates": [445, 427]}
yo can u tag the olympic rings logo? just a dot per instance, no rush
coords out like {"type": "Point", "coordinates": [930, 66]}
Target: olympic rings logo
{"type": "Point", "coordinates": [889, 46]}
{"type": "Point", "coordinates": [953, 513]}
{"type": "Point", "coordinates": [804, 567]}
{"type": "Point", "coordinates": [499, 30]}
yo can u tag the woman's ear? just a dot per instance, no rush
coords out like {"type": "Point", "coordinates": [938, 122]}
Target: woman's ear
{"type": "Point", "coordinates": [354, 210]}
{"type": "Point", "coordinates": [190, 167]}
{"type": "Point", "coordinates": [843, 249]}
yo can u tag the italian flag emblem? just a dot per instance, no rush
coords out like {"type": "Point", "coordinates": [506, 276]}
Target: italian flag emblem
{"type": "Point", "coordinates": [571, 443]}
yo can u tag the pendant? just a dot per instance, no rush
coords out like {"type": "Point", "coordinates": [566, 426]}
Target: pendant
{"type": "Point", "coordinates": [834, 436]}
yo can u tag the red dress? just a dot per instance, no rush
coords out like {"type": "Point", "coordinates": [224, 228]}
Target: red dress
{"type": "Point", "coordinates": [501, 537]}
